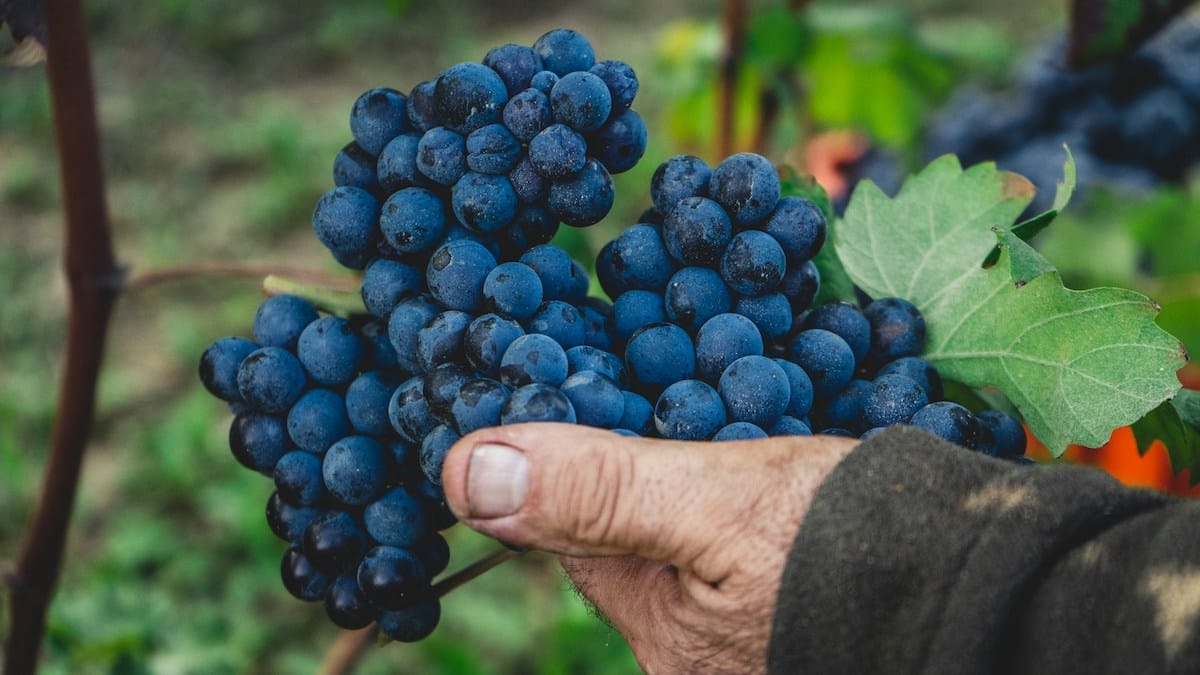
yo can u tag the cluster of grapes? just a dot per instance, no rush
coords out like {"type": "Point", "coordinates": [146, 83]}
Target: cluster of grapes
{"type": "Point", "coordinates": [1133, 123]}
{"type": "Point", "coordinates": [473, 320]}
{"type": "Point", "coordinates": [310, 395]}
{"type": "Point", "coordinates": [711, 310]}
{"type": "Point", "coordinates": [500, 151]}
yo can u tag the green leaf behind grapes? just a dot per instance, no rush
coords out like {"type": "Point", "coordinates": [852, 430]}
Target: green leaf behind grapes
{"type": "Point", "coordinates": [1105, 29]}
{"type": "Point", "coordinates": [1177, 424]}
{"type": "Point", "coordinates": [1076, 364]}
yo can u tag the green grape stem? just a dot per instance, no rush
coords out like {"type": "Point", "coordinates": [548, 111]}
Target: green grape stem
{"type": "Point", "coordinates": [331, 300]}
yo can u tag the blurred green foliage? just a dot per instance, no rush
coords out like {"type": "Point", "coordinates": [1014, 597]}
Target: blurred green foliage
{"type": "Point", "coordinates": [221, 120]}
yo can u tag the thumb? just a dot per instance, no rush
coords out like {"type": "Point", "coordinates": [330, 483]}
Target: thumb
{"type": "Point", "coordinates": [581, 491]}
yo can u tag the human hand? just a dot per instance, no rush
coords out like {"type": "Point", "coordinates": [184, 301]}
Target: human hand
{"type": "Point", "coordinates": [681, 545]}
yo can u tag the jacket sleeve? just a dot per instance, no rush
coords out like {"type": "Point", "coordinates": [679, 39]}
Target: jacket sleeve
{"type": "Point", "coordinates": [920, 557]}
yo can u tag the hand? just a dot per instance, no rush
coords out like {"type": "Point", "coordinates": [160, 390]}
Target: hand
{"type": "Point", "coordinates": [681, 545]}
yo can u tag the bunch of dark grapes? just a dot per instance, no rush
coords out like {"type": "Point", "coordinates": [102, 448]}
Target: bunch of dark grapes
{"type": "Point", "coordinates": [1134, 123]}
{"type": "Point", "coordinates": [712, 311]}
{"type": "Point", "coordinates": [447, 198]}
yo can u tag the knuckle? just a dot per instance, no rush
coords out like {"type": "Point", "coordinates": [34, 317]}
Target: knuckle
{"type": "Point", "coordinates": [596, 499]}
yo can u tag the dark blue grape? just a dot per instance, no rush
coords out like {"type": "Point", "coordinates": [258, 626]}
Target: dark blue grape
{"type": "Point", "coordinates": [219, 366]}
{"type": "Point", "coordinates": [606, 272]}
{"type": "Point", "coordinates": [1005, 433]}
{"type": "Point", "coordinates": [679, 178]}
{"type": "Point", "coordinates": [456, 273]}
{"type": "Point", "coordinates": [334, 542]}
{"type": "Point", "coordinates": [367, 400]}
{"type": "Point", "coordinates": [554, 267]}
{"type": "Point", "coordinates": [537, 402]}
{"type": "Point", "coordinates": [527, 113]}
{"type": "Point", "coordinates": [298, 478]}
{"type": "Point", "coordinates": [433, 552]}
{"type": "Point", "coordinates": [577, 283]}
{"type": "Point", "coordinates": [533, 358]}
{"type": "Point", "coordinates": [800, 285]}
{"type": "Point", "coordinates": [845, 408]}
{"type": "Point", "coordinates": [513, 290]}
{"type": "Point", "coordinates": [330, 351]}
{"type": "Point", "coordinates": [392, 578]}
{"type": "Point", "coordinates": [459, 232]}
{"type": "Point", "coordinates": [753, 263]}
{"type": "Point", "coordinates": [421, 114]}
{"type": "Point", "coordinates": [317, 420]}
{"type": "Point", "coordinates": [596, 331]}
{"type": "Point", "coordinates": [412, 623]}
{"type": "Point", "coordinates": [747, 186]}
{"type": "Point", "coordinates": [397, 164]}
{"type": "Point", "coordinates": [441, 389]}
{"type": "Point", "coordinates": [529, 185]}
{"type": "Point", "coordinates": [258, 441]}
{"type": "Point", "coordinates": [772, 313]}
{"type": "Point", "coordinates": [640, 259]}
{"type": "Point", "coordinates": [558, 152]}
{"type": "Point", "coordinates": [696, 231]}
{"type": "Point", "coordinates": [583, 199]}
{"type": "Point", "coordinates": [301, 578]}
{"type": "Point", "coordinates": [739, 431]}
{"type": "Point", "coordinates": [408, 411]}
{"type": "Point", "coordinates": [397, 518]}
{"type": "Point", "coordinates": [544, 82]}
{"type": "Point", "coordinates": [790, 426]}
{"type": "Point", "coordinates": [560, 321]}
{"type": "Point", "coordinates": [492, 150]}
{"type": "Point", "coordinates": [441, 340]}
{"type": "Point", "coordinates": [478, 405]}
{"type": "Point", "coordinates": [637, 415]}
{"type": "Point", "coordinates": [800, 400]}
{"type": "Point", "coordinates": [635, 309]}
{"type": "Point", "coordinates": [378, 116]}
{"type": "Point", "coordinates": [469, 96]}
{"type": "Point", "coordinates": [897, 330]}
{"type": "Point", "coordinates": [515, 64]}
{"type": "Point", "coordinates": [354, 470]}
{"type": "Point", "coordinates": [280, 320]}
{"type": "Point", "coordinates": [659, 355]}
{"type": "Point", "coordinates": [581, 101]}
{"type": "Point", "coordinates": [596, 399]}
{"type": "Point", "coordinates": [622, 82]}
{"type": "Point", "coordinates": [920, 370]}
{"type": "Point", "coordinates": [346, 220]}
{"type": "Point", "coordinates": [722, 340]}
{"type": "Point", "coordinates": [487, 338]}
{"type": "Point", "coordinates": [826, 358]}
{"type": "Point", "coordinates": [689, 410]}
{"type": "Point", "coordinates": [695, 295]}
{"type": "Point", "coordinates": [386, 282]}
{"type": "Point", "coordinates": [532, 227]}
{"type": "Point", "coordinates": [413, 219]}
{"type": "Point", "coordinates": [484, 203]}
{"type": "Point", "coordinates": [799, 226]}
{"type": "Point", "coordinates": [892, 399]}
{"type": "Point", "coordinates": [433, 451]}
{"type": "Point", "coordinates": [949, 421]}
{"type": "Point", "coordinates": [846, 321]}
{"type": "Point", "coordinates": [652, 216]}
{"type": "Point", "coordinates": [583, 358]}
{"type": "Point", "coordinates": [347, 606]}
{"type": "Point", "coordinates": [563, 51]}
{"type": "Point", "coordinates": [442, 155]}
{"type": "Point", "coordinates": [289, 522]}
{"type": "Point", "coordinates": [377, 349]}
{"type": "Point", "coordinates": [355, 167]}
{"type": "Point", "coordinates": [756, 390]}
{"type": "Point", "coordinates": [405, 322]}
{"type": "Point", "coordinates": [270, 379]}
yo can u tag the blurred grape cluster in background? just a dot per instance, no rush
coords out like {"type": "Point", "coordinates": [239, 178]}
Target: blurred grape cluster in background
{"type": "Point", "coordinates": [219, 123]}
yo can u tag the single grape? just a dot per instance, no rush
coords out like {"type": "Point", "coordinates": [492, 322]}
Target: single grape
{"type": "Point", "coordinates": [334, 542]}
{"type": "Point", "coordinates": [330, 350]}
{"type": "Point", "coordinates": [355, 167]}
{"type": "Point", "coordinates": [756, 390]}
{"type": "Point", "coordinates": [689, 410]}
{"type": "Point", "coordinates": [280, 319]}
{"type": "Point", "coordinates": [478, 405]}
{"type": "Point", "coordinates": [258, 441]}
{"type": "Point", "coordinates": [442, 155]}
{"type": "Point", "coordinates": [897, 330]}
{"type": "Point", "coordinates": [722, 340]}
{"type": "Point", "coordinates": [270, 379]}
{"type": "Point", "coordinates": [433, 552]}
{"type": "Point", "coordinates": [596, 399]}
{"type": "Point", "coordinates": [747, 186]}
{"type": "Point", "coordinates": [219, 366]}
{"type": "Point", "coordinates": [584, 357]}
{"type": "Point", "coordinates": [920, 370]}
{"type": "Point", "coordinates": [659, 355]}
{"type": "Point", "coordinates": [950, 421]}
{"type": "Point", "coordinates": [772, 313]}
{"type": "Point", "coordinates": [826, 358]}
{"type": "Point", "coordinates": [354, 470]}
{"type": "Point", "coordinates": [530, 187]}
{"type": "Point", "coordinates": [753, 263]}
{"type": "Point", "coordinates": [289, 522]}
{"type": "Point", "coordinates": [533, 358]}
{"type": "Point", "coordinates": [800, 285]}
{"type": "Point", "coordinates": [456, 273]}
{"type": "Point", "coordinates": [679, 178]}
{"type": "Point", "coordinates": [739, 431]}
{"type": "Point", "coordinates": [637, 415]}
{"type": "Point", "coordinates": [581, 101]}
{"type": "Point", "coordinates": [515, 64]}
{"type": "Point", "coordinates": [640, 259]}
{"type": "Point", "coordinates": [298, 478]}
{"type": "Point", "coordinates": [317, 420]}
{"type": "Point", "coordinates": [396, 167]}
{"type": "Point", "coordinates": [487, 338]}
{"type": "Point", "coordinates": [1007, 436]}
{"type": "Point", "coordinates": [892, 399]}
{"type": "Point", "coordinates": [543, 82]}
{"type": "Point", "coordinates": [800, 398]}
{"type": "Point", "coordinates": [386, 282]}
{"type": "Point", "coordinates": [799, 226]}
{"type": "Point", "coordinates": [441, 340]}
{"type": "Point", "coordinates": [408, 411]}
{"type": "Point", "coordinates": [404, 323]}
{"type": "Point", "coordinates": [622, 83]}
{"type": "Point", "coordinates": [412, 623]}
{"type": "Point", "coordinates": [492, 150]}
{"type": "Point", "coordinates": [301, 578]}
{"type": "Point", "coordinates": [695, 295]}
{"type": "Point", "coordinates": [560, 321]}
{"type": "Point", "coordinates": [469, 96]}
{"type": "Point", "coordinates": [558, 152]}
{"type": "Point", "coordinates": [347, 606]}
{"type": "Point", "coordinates": [397, 518]}
{"type": "Point", "coordinates": [378, 116]}
{"type": "Point", "coordinates": [636, 309]}
{"type": "Point", "coordinates": [483, 202]}
{"type": "Point", "coordinates": [790, 426]}
{"type": "Point", "coordinates": [696, 231]}
{"type": "Point", "coordinates": [413, 220]}
{"type": "Point", "coordinates": [846, 321]}
{"type": "Point", "coordinates": [563, 51]}
{"type": "Point", "coordinates": [367, 400]}
{"type": "Point", "coordinates": [392, 578]}
{"type": "Point", "coordinates": [584, 198]}
{"type": "Point", "coordinates": [421, 114]}
{"type": "Point", "coordinates": [537, 402]}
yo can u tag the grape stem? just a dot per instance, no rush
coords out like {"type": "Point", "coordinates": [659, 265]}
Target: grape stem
{"type": "Point", "coordinates": [473, 570]}
{"type": "Point", "coordinates": [331, 300]}
{"type": "Point", "coordinates": [221, 269]}
{"type": "Point", "coordinates": [94, 280]}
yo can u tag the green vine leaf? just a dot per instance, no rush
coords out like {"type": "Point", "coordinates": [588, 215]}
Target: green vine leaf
{"type": "Point", "coordinates": [1076, 364]}
{"type": "Point", "coordinates": [1177, 424]}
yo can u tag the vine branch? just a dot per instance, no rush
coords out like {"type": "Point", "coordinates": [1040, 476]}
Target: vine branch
{"type": "Point", "coordinates": [224, 269]}
{"type": "Point", "coordinates": [93, 279]}
{"type": "Point", "coordinates": [734, 17]}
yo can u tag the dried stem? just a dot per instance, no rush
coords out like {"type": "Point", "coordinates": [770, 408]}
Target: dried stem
{"type": "Point", "coordinates": [93, 280]}
{"type": "Point", "coordinates": [734, 21]}
{"type": "Point", "coordinates": [231, 270]}
{"type": "Point", "coordinates": [473, 570]}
